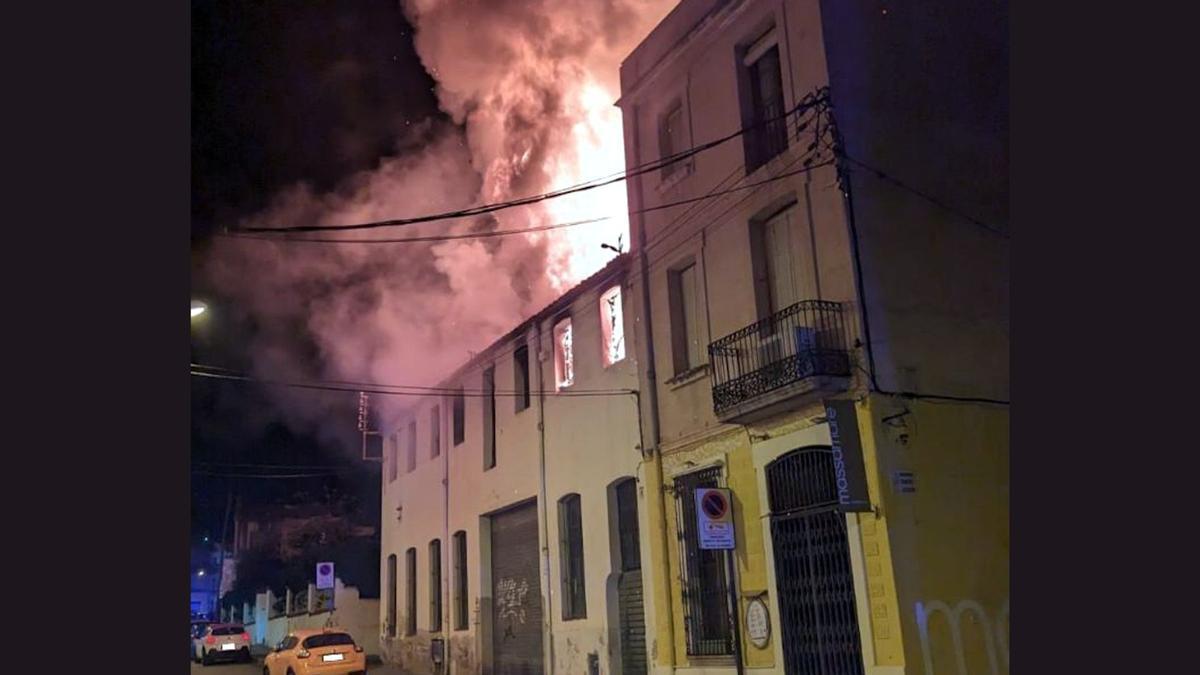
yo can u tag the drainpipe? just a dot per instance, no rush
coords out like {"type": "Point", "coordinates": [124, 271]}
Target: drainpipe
{"type": "Point", "coordinates": [548, 614]}
{"type": "Point", "coordinates": [655, 502]}
{"type": "Point", "coordinates": [447, 545]}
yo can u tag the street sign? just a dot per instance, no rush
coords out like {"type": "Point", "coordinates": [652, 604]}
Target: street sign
{"type": "Point", "coordinates": [325, 575]}
{"type": "Point", "coordinates": [714, 519]}
{"type": "Point", "coordinates": [849, 472]}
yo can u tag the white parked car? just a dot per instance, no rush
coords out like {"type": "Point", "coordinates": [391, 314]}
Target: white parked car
{"type": "Point", "coordinates": [222, 642]}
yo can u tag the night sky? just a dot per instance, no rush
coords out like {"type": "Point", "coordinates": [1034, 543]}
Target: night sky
{"type": "Point", "coordinates": [282, 92]}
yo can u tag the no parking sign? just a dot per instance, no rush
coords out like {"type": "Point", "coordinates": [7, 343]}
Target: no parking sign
{"type": "Point", "coordinates": [324, 575]}
{"type": "Point", "coordinates": [714, 518]}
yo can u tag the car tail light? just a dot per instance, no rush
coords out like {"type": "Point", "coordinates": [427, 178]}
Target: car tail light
{"type": "Point", "coordinates": [302, 654]}
{"type": "Point", "coordinates": [246, 637]}
{"type": "Point", "coordinates": [210, 640]}
{"type": "Point", "coordinates": [358, 648]}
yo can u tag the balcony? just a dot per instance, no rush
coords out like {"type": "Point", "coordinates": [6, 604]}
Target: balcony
{"type": "Point", "coordinates": [796, 355]}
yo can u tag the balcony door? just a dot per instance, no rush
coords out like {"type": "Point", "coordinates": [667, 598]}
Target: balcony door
{"type": "Point", "coordinates": [778, 268]}
{"type": "Point", "coordinates": [784, 275]}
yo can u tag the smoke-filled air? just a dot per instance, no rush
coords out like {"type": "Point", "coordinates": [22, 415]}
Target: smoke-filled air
{"type": "Point", "coordinates": [529, 86]}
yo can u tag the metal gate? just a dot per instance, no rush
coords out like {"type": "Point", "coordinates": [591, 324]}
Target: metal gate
{"type": "Point", "coordinates": [818, 615]}
{"type": "Point", "coordinates": [631, 608]}
{"type": "Point", "coordinates": [516, 593]}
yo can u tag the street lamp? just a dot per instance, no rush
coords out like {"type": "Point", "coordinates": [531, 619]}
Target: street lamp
{"type": "Point", "coordinates": [198, 308]}
{"type": "Point", "coordinates": [200, 573]}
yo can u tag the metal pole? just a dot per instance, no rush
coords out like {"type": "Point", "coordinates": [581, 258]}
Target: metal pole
{"type": "Point", "coordinates": [224, 534]}
{"type": "Point", "coordinates": [547, 612]}
{"type": "Point", "coordinates": [734, 610]}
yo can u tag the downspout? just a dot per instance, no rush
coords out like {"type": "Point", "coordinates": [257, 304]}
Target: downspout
{"type": "Point", "coordinates": [704, 278]}
{"type": "Point", "coordinates": [447, 547]}
{"type": "Point", "coordinates": [548, 613]}
{"type": "Point", "coordinates": [656, 504]}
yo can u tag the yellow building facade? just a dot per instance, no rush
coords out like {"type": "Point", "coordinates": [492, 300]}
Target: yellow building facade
{"type": "Point", "coordinates": [785, 299]}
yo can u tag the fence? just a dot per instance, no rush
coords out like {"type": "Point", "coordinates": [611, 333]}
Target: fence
{"type": "Point", "coordinates": [272, 617]}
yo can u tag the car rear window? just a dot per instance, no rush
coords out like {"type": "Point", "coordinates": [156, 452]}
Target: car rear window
{"type": "Point", "coordinates": [228, 630]}
{"type": "Point", "coordinates": [328, 640]}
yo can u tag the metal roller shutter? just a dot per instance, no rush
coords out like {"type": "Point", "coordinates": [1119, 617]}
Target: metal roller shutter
{"type": "Point", "coordinates": [516, 593]}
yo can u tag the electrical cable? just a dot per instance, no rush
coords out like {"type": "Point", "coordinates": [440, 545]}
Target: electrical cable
{"type": "Point", "coordinates": [540, 228]}
{"type": "Point", "coordinates": [374, 389]}
{"type": "Point", "coordinates": [415, 387]}
{"type": "Point", "coordinates": [879, 173]}
{"type": "Point", "coordinates": [673, 226]}
{"type": "Point", "coordinates": [264, 475]}
{"type": "Point", "coordinates": [409, 240]}
{"type": "Point", "coordinates": [307, 467]}
{"type": "Point", "coordinates": [579, 187]}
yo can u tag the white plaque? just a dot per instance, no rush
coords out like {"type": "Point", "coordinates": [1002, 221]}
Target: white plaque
{"type": "Point", "coordinates": [758, 623]}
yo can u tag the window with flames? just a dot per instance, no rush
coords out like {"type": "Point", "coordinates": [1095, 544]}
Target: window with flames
{"type": "Point", "coordinates": [564, 354]}
{"type": "Point", "coordinates": [612, 328]}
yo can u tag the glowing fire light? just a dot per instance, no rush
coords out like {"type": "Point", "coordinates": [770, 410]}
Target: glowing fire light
{"type": "Point", "coordinates": [597, 150]}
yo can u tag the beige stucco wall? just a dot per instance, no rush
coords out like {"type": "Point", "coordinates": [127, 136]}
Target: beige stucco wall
{"type": "Point", "coordinates": [356, 615]}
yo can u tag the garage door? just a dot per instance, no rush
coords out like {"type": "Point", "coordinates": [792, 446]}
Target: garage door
{"type": "Point", "coordinates": [516, 593]}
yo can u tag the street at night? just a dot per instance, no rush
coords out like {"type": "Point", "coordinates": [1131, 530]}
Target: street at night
{"type": "Point", "coordinates": [600, 336]}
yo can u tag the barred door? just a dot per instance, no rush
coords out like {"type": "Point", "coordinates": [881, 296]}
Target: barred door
{"type": "Point", "coordinates": [818, 616]}
{"type": "Point", "coordinates": [631, 609]}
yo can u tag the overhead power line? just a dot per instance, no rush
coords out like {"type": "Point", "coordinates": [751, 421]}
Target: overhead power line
{"type": "Point", "coordinates": [881, 174]}
{"type": "Point", "coordinates": [412, 240]}
{"type": "Point", "coordinates": [404, 390]}
{"type": "Point", "coordinates": [540, 228]}
{"type": "Point", "coordinates": [294, 467]}
{"type": "Point", "coordinates": [580, 187]}
{"type": "Point", "coordinates": [268, 476]}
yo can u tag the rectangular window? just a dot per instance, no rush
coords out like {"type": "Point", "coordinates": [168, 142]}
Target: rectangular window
{"type": "Point", "coordinates": [489, 418]}
{"type": "Point", "coordinates": [521, 376]}
{"type": "Point", "coordinates": [460, 415]}
{"type": "Point", "coordinates": [627, 525]}
{"type": "Point", "coordinates": [391, 597]}
{"type": "Point", "coordinates": [435, 585]}
{"type": "Point", "coordinates": [412, 446]}
{"type": "Point", "coordinates": [393, 460]}
{"type": "Point", "coordinates": [685, 331]}
{"type": "Point", "coordinates": [435, 431]}
{"type": "Point", "coordinates": [460, 580]}
{"type": "Point", "coordinates": [672, 139]}
{"type": "Point", "coordinates": [705, 587]}
{"type": "Point", "coordinates": [570, 551]}
{"type": "Point", "coordinates": [410, 599]}
{"type": "Point", "coordinates": [564, 355]}
{"type": "Point", "coordinates": [612, 326]}
{"type": "Point", "coordinates": [774, 264]}
{"type": "Point", "coordinates": [763, 112]}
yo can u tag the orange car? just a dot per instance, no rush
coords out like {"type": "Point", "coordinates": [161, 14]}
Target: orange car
{"type": "Point", "coordinates": [328, 652]}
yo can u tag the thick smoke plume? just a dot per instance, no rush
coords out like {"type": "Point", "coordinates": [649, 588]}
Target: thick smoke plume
{"type": "Point", "coordinates": [530, 87]}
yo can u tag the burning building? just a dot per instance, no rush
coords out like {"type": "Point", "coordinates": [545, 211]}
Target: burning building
{"type": "Point", "coordinates": [511, 538]}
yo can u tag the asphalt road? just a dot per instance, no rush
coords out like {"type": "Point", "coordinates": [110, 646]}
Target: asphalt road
{"type": "Point", "coordinates": [227, 669]}
{"type": "Point", "coordinates": [256, 669]}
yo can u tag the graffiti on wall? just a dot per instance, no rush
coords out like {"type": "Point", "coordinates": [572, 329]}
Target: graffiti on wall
{"type": "Point", "coordinates": [994, 633]}
{"type": "Point", "coordinates": [510, 603]}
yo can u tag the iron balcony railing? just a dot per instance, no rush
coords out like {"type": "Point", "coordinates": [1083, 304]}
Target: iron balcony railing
{"type": "Point", "coordinates": [807, 339]}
